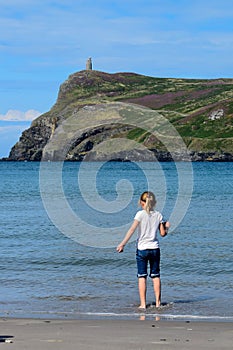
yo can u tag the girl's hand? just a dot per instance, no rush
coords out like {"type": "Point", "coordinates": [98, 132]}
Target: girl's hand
{"type": "Point", "coordinates": [120, 248]}
{"type": "Point", "coordinates": [167, 224]}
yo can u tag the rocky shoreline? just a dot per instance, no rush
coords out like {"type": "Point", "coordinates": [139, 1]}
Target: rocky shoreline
{"type": "Point", "coordinates": [136, 156]}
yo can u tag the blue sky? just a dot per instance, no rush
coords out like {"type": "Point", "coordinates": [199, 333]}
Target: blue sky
{"type": "Point", "coordinates": [42, 42]}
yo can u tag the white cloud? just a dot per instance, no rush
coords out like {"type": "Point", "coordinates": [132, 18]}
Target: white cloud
{"type": "Point", "coordinates": [14, 115]}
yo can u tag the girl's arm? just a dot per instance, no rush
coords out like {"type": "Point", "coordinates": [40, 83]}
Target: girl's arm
{"type": "Point", "coordinates": [163, 228]}
{"type": "Point", "coordinates": [120, 247]}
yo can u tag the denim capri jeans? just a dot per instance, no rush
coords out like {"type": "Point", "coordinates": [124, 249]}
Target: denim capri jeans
{"type": "Point", "coordinates": [148, 255]}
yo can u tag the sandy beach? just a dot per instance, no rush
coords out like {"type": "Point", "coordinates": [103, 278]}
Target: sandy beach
{"type": "Point", "coordinates": [114, 334]}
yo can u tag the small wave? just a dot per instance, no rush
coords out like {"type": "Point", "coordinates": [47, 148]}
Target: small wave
{"type": "Point", "coordinates": [162, 316]}
{"type": "Point", "coordinates": [122, 315]}
{"type": "Point", "coordinates": [69, 297]}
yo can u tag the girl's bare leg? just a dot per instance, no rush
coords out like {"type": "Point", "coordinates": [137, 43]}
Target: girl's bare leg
{"type": "Point", "coordinates": [142, 292]}
{"type": "Point", "coordinates": [157, 290]}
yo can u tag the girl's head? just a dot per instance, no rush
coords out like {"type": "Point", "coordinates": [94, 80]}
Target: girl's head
{"type": "Point", "coordinates": [148, 198]}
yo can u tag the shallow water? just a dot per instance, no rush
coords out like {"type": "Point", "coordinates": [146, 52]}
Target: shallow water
{"type": "Point", "coordinates": [45, 273]}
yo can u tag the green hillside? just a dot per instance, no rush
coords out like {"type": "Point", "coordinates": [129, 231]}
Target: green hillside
{"type": "Point", "coordinates": [200, 110]}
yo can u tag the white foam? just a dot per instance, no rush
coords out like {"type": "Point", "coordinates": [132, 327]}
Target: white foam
{"type": "Point", "coordinates": [170, 316]}
{"type": "Point", "coordinates": [130, 315]}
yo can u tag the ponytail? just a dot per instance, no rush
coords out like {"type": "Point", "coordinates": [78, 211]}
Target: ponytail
{"type": "Point", "coordinates": [149, 198]}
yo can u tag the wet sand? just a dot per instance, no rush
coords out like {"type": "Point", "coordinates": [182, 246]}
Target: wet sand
{"type": "Point", "coordinates": [109, 334]}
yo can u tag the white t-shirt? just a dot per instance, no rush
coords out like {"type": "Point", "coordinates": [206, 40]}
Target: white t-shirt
{"type": "Point", "coordinates": [147, 229]}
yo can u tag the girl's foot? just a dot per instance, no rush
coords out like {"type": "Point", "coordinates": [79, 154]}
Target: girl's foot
{"type": "Point", "coordinates": [142, 307]}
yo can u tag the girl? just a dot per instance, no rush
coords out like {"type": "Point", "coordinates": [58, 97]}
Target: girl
{"type": "Point", "coordinates": [148, 222]}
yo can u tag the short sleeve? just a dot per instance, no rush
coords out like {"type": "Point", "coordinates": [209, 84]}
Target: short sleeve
{"type": "Point", "coordinates": [138, 216]}
{"type": "Point", "coordinates": [160, 218]}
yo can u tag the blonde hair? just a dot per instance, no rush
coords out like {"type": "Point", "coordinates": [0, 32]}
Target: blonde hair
{"type": "Point", "coordinates": [148, 198]}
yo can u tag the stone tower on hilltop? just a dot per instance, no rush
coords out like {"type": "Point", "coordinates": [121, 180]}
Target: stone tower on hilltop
{"type": "Point", "coordinates": [89, 64]}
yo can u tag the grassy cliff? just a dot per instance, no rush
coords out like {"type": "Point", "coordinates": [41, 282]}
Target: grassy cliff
{"type": "Point", "coordinates": [200, 110]}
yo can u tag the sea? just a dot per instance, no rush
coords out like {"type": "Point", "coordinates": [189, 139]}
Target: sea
{"type": "Point", "coordinates": [61, 223]}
